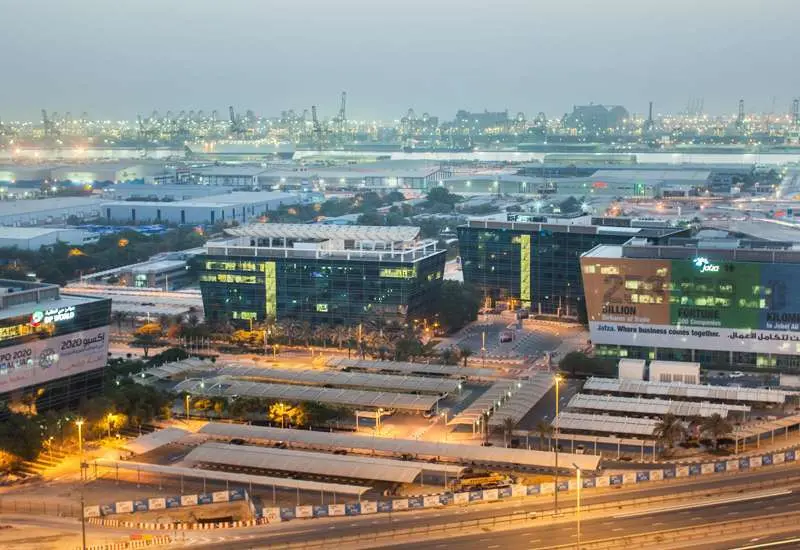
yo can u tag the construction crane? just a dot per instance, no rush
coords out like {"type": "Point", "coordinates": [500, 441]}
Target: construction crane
{"type": "Point", "coordinates": [342, 118]}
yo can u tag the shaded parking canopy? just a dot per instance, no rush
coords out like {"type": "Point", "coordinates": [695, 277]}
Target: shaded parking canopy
{"type": "Point", "coordinates": [244, 479]}
{"type": "Point", "coordinates": [153, 440]}
{"type": "Point", "coordinates": [226, 387]}
{"type": "Point", "coordinates": [451, 451]}
{"type": "Point", "coordinates": [323, 464]}
{"type": "Point", "coordinates": [605, 424]}
{"type": "Point", "coordinates": [336, 378]}
{"type": "Point", "coordinates": [486, 402]}
{"type": "Point", "coordinates": [686, 391]}
{"type": "Point", "coordinates": [417, 368]}
{"type": "Point", "coordinates": [523, 399]}
{"type": "Point", "coordinates": [652, 406]}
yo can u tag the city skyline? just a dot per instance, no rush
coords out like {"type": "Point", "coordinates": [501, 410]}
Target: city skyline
{"type": "Point", "coordinates": [432, 58]}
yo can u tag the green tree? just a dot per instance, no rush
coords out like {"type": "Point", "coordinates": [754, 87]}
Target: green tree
{"type": "Point", "coordinates": [466, 353]}
{"type": "Point", "coordinates": [578, 363]}
{"type": "Point", "coordinates": [456, 305]}
{"type": "Point", "coordinates": [545, 431]}
{"type": "Point", "coordinates": [508, 429]}
{"type": "Point", "coordinates": [669, 430]}
{"type": "Point", "coordinates": [716, 427]}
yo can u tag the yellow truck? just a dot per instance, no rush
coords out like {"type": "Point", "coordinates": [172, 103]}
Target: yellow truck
{"type": "Point", "coordinates": [484, 480]}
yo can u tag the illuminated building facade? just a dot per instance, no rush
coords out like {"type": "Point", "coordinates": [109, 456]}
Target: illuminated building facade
{"type": "Point", "coordinates": [719, 303]}
{"type": "Point", "coordinates": [535, 263]}
{"type": "Point", "coordinates": [52, 346]}
{"type": "Point", "coordinates": [320, 274]}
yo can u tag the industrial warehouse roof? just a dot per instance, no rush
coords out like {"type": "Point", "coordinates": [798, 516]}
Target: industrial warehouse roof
{"type": "Point", "coordinates": [421, 368]}
{"type": "Point", "coordinates": [687, 391]}
{"type": "Point", "coordinates": [244, 479]}
{"type": "Point", "coordinates": [650, 406]}
{"type": "Point", "coordinates": [605, 424]}
{"type": "Point", "coordinates": [352, 467]}
{"type": "Point", "coordinates": [490, 399]}
{"type": "Point", "coordinates": [325, 232]}
{"type": "Point", "coordinates": [222, 386]}
{"type": "Point", "coordinates": [345, 379]}
{"type": "Point", "coordinates": [523, 399]}
{"type": "Point", "coordinates": [454, 451]}
{"type": "Point", "coordinates": [168, 370]}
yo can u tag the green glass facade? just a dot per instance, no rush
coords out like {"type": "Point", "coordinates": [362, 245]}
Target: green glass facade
{"type": "Point", "coordinates": [536, 265]}
{"type": "Point", "coordinates": [332, 290]}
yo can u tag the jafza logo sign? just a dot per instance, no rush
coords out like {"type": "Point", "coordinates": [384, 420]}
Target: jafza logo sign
{"type": "Point", "coordinates": [705, 266]}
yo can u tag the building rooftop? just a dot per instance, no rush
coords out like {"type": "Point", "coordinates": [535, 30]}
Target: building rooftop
{"type": "Point", "coordinates": [572, 225]}
{"type": "Point", "coordinates": [31, 206]}
{"type": "Point", "coordinates": [325, 232]}
{"type": "Point", "coordinates": [7, 232]}
{"type": "Point", "coordinates": [235, 198]}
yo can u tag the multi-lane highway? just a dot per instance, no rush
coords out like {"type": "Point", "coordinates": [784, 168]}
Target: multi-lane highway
{"type": "Point", "coordinates": [745, 501]}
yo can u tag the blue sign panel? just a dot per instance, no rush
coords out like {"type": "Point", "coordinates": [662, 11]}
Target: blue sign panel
{"type": "Point", "coordinates": [563, 485]}
{"type": "Point", "coordinates": [695, 469]}
{"type": "Point", "coordinates": [589, 482]}
{"type": "Point", "coordinates": [616, 479]}
{"type": "Point", "coordinates": [532, 490]}
{"type": "Point", "coordinates": [505, 492]}
{"type": "Point", "coordinates": [320, 511]}
{"type": "Point", "coordinates": [352, 509]}
{"type": "Point", "coordinates": [641, 477]}
{"type": "Point", "coordinates": [766, 460]}
{"type": "Point", "coordinates": [205, 498]}
{"type": "Point", "coordinates": [446, 498]}
{"type": "Point", "coordinates": [475, 496]}
{"type": "Point", "coordinates": [237, 494]}
{"type": "Point", "coordinates": [108, 509]}
{"type": "Point", "coordinates": [140, 506]}
{"type": "Point", "coordinates": [416, 502]}
{"type": "Point", "coordinates": [720, 467]}
{"type": "Point", "coordinates": [789, 455]}
{"type": "Point", "coordinates": [287, 514]}
{"type": "Point", "coordinates": [744, 463]}
{"type": "Point", "coordinates": [669, 473]}
{"type": "Point", "coordinates": [384, 506]}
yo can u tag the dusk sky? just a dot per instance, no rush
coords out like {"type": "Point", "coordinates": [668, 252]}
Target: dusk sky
{"type": "Point", "coordinates": [117, 59]}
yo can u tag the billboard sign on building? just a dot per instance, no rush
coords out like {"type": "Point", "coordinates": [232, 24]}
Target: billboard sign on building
{"type": "Point", "coordinates": [693, 304]}
{"type": "Point", "coordinates": [52, 358]}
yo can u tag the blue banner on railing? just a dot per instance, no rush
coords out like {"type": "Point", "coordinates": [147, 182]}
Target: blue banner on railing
{"type": "Point", "coordinates": [563, 485]}
{"type": "Point", "coordinates": [352, 509]}
{"type": "Point", "coordinates": [108, 509]}
{"type": "Point", "coordinates": [532, 490]}
{"type": "Point", "coordinates": [385, 506]}
{"type": "Point", "coordinates": [669, 473]}
{"type": "Point", "coordinates": [237, 494]}
{"type": "Point", "coordinates": [173, 502]}
{"type": "Point", "coordinates": [140, 506]}
{"type": "Point", "coordinates": [789, 455]}
{"type": "Point", "coordinates": [416, 502]}
{"type": "Point", "coordinates": [205, 498]}
{"type": "Point", "coordinates": [640, 477]}
{"type": "Point", "coordinates": [695, 469]}
{"type": "Point", "coordinates": [476, 496]}
{"type": "Point", "coordinates": [615, 479]}
{"type": "Point", "coordinates": [744, 463]}
{"type": "Point", "coordinates": [287, 514]}
{"type": "Point", "coordinates": [446, 498]}
{"type": "Point", "coordinates": [588, 482]}
{"type": "Point", "coordinates": [320, 511]}
{"type": "Point", "coordinates": [505, 492]}
{"type": "Point", "coordinates": [720, 467]}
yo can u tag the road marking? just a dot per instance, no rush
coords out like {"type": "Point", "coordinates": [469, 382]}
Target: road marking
{"type": "Point", "coordinates": [495, 546]}
{"type": "Point", "coordinates": [768, 544]}
{"type": "Point", "coordinates": [703, 504]}
{"type": "Point", "coordinates": [732, 513]}
{"type": "Point", "coordinates": [534, 541]}
{"type": "Point", "coordinates": [617, 529]}
{"type": "Point", "coordinates": [659, 523]}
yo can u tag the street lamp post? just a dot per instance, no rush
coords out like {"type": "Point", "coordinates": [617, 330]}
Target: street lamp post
{"type": "Point", "coordinates": [557, 379]}
{"type": "Point", "coordinates": [578, 502]}
{"type": "Point", "coordinates": [483, 347]}
{"type": "Point", "coordinates": [186, 409]}
{"type": "Point", "coordinates": [79, 423]}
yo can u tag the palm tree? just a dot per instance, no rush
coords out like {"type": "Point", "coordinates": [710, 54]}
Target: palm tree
{"type": "Point", "coordinates": [340, 334]}
{"type": "Point", "coordinates": [716, 427]}
{"type": "Point", "coordinates": [306, 332]}
{"type": "Point", "coordinates": [466, 353]}
{"type": "Point", "coordinates": [545, 431]}
{"type": "Point", "coordinates": [508, 429]}
{"type": "Point", "coordinates": [118, 317]}
{"type": "Point", "coordinates": [321, 334]}
{"type": "Point", "coordinates": [669, 430]}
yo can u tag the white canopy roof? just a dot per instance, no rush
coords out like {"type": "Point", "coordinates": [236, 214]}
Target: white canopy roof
{"type": "Point", "coordinates": [652, 406]}
{"type": "Point", "coordinates": [678, 389]}
{"type": "Point", "coordinates": [454, 451]}
{"type": "Point", "coordinates": [326, 232]}
{"type": "Point", "coordinates": [605, 423]}
{"type": "Point", "coordinates": [421, 368]}
{"type": "Point", "coordinates": [153, 440]}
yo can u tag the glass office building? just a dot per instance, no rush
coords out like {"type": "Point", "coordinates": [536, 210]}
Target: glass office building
{"type": "Point", "coordinates": [320, 274]}
{"type": "Point", "coordinates": [534, 261]}
{"type": "Point", "coordinates": [52, 346]}
{"type": "Point", "coordinates": [718, 302]}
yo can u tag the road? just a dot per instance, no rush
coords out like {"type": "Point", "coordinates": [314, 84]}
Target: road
{"type": "Point", "coordinates": [299, 531]}
{"type": "Point", "coordinates": [687, 515]}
